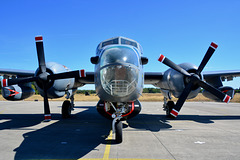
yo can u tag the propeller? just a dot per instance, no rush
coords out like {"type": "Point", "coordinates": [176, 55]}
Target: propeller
{"type": "Point", "coordinates": [44, 77]}
{"type": "Point", "coordinates": [194, 79]}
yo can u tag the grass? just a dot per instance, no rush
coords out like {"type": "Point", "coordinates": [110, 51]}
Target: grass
{"type": "Point", "coordinates": [147, 97]}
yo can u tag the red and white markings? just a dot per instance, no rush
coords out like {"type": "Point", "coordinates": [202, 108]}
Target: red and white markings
{"type": "Point", "coordinates": [82, 73]}
{"type": "Point", "coordinates": [38, 38]}
{"type": "Point", "coordinates": [161, 58]}
{"type": "Point", "coordinates": [13, 93]}
{"type": "Point", "coordinates": [47, 117]}
{"type": "Point", "coordinates": [227, 99]}
{"type": "Point", "coordinates": [214, 45]}
{"type": "Point", "coordinates": [4, 82]}
{"type": "Point", "coordinates": [174, 113]}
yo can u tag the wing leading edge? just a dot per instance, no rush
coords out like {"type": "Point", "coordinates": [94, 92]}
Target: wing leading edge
{"type": "Point", "coordinates": [16, 72]}
{"type": "Point", "coordinates": [152, 77]}
{"type": "Point", "coordinates": [229, 75]}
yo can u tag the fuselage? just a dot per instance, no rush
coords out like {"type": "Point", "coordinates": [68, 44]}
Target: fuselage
{"type": "Point", "coordinates": [118, 70]}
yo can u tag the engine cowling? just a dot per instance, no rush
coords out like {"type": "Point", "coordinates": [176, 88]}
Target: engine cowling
{"type": "Point", "coordinates": [225, 89]}
{"type": "Point", "coordinates": [17, 92]}
{"type": "Point", "coordinates": [56, 88]}
{"type": "Point", "coordinates": [175, 82]}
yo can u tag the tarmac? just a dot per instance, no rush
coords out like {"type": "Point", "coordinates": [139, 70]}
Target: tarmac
{"type": "Point", "coordinates": [203, 130]}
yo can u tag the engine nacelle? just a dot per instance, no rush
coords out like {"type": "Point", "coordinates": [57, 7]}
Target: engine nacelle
{"type": "Point", "coordinates": [175, 82]}
{"type": "Point", "coordinates": [133, 109]}
{"type": "Point", "coordinates": [225, 89]}
{"type": "Point", "coordinates": [17, 92]}
{"type": "Point", "coordinates": [56, 88]}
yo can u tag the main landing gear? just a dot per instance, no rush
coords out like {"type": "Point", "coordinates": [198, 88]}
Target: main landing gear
{"type": "Point", "coordinates": [67, 108]}
{"type": "Point", "coordinates": [168, 106]}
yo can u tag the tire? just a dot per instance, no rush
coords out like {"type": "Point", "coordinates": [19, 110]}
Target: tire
{"type": "Point", "coordinates": [118, 129]}
{"type": "Point", "coordinates": [66, 109]}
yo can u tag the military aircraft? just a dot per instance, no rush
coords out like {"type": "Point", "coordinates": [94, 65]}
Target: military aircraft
{"type": "Point", "coordinates": [119, 80]}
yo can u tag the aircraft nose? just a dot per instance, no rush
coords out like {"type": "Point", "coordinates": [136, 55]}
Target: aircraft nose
{"type": "Point", "coordinates": [119, 80]}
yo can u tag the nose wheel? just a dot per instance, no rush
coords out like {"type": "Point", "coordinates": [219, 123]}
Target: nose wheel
{"type": "Point", "coordinates": [118, 131]}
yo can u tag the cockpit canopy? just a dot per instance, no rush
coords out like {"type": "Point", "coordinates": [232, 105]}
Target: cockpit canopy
{"type": "Point", "coordinates": [119, 41]}
{"type": "Point", "coordinates": [119, 54]}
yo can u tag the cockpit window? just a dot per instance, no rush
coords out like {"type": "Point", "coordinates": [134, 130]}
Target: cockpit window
{"type": "Point", "coordinates": [125, 41]}
{"type": "Point", "coordinates": [112, 41]}
{"type": "Point", "coordinates": [119, 54]}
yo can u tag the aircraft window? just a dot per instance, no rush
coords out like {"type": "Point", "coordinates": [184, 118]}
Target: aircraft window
{"type": "Point", "coordinates": [119, 55]}
{"type": "Point", "coordinates": [112, 41]}
{"type": "Point", "coordinates": [125, 41]}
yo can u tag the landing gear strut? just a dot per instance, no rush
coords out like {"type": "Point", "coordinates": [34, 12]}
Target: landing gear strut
{"type": "Point", "coordinates": [168, 106]}
{"type": "Point", "coordinates": [117, 123]}
{"type": "Point", "coordinates": [117, 129]}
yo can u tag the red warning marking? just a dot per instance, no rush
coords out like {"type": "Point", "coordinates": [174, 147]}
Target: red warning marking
{"type": "Point", "coordinates": [13, 93]}
{"type": "Point", "coordinates": [38, 38]}
{"type": "Point", "coordinates": [225, 91]}
{"type": "Point", "coordinates": [227, 99]}
{"type": "Point", "coordinates": [161, 58]}
{"type": "Point", "coordinates": [47, 117]}
{"type": "Point", "coordinates": [82, 73]}
{"type": "Point", "coordinates": [4, 83]}
{"type": "Point", "coordinates": [214, 45]}
{"type": "Point", "coordinates": [174, 113]}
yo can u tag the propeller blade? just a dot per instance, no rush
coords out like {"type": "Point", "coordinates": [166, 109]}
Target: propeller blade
{"type": "Point", "coordinates": [71, 74]}
{"type": "Point", "coordinates": [40, 53]}
{"type": "Point", "coordinates": [47, 114]}
{"type": "Point", "coordinates": [172, 65]}
{"type": "Point", "coordinates": [224, 97]}
{"type": "Point", "coordinates": [207, 56]}
{"type": "Point", "coordinates": [181, 100]}
{"type": "Point", "coordinates": [8, 82]}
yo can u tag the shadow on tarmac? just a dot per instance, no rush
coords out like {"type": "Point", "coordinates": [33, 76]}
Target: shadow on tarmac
{"type": "Point", "coordinates": [75, 137]}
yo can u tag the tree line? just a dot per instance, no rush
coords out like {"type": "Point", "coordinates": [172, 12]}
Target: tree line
{"type": "Point", "coordinates": [145, 90]}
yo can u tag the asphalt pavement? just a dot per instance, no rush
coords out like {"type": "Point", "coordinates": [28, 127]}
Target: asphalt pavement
{"type": "Point", "coordinates": [203, 130]}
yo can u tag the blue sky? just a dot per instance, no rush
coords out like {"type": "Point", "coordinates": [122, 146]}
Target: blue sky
{"type": "Point", "coordinates": [71, 29]}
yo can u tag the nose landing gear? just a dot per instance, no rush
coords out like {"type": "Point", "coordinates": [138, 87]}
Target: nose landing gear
{"type": "Point", "coordinates": [117, 123]}
{"type": "Point", "coordinates": [118, 131]}
{"type": "Point", "coordinates": [118, 112]}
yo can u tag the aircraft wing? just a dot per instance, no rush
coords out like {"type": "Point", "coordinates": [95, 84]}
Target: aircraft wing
{"type": "Point", "coordinates": [213, 77]}
{"type": "Point", "coordinates": [16, 72]}
{"type": "Point", "coordinates": [152, 77]}
{"type": "Point", "coordinates": [229, 75]}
